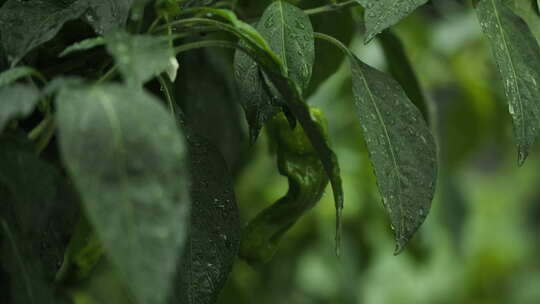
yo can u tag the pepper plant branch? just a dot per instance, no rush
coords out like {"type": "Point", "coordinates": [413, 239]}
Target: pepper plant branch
{"type": "Point", "coordinates": [331, 7]}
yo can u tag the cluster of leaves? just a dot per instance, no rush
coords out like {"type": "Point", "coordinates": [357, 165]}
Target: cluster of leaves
{"type": "Point", "coordinates": [104, 174]}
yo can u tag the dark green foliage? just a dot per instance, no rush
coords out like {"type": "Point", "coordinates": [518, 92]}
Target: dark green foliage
{"type": "Point", "coordinates": [517, 56]}
{"type": "Point", "coordinates": [37, 212]}
{"type": "Point", "coordinates": [214, 230]}
{"type": "Point", "coordinates": [103, 110]}
{"type": "Point", "coordinates": [28, 24]}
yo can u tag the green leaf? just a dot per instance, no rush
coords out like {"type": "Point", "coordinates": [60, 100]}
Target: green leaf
{"type": "Point", "coordinates": [517, 56]}
{"type": "Point", "coordinates": [110, 138]}
{"type": "Point", "coordinates": [83, 45]}
{"type": "Point", "coordinates": [401, 148]}
{"type": "Point", "coordinates": [527, 10]}
{"type": "Point", "coordinates": [289, 33]}
{"type": "Point", "coordinates": [37, 211]}
{"type": "Point", "coordinates": [248, 34]}
{"type": "Point", "coordinates": [24, 25]}
{"type": "Point", "coordinates": [223, 126]}
{"type": "Point", "coordinates": [139, 57]}
{"type": "Point", "coordinates": [382, 14]}
{"type": "Point", "coordinates": [107, 16]}
{"type": "Point", "coordinates": [14, 74]}
{"type": "Point", "coordinates": [214, 234]}
{"type": "Point", "coordinates": [255, 96]}
{"type": "Point", "coordinates": [16, 101]}
{"type": "Point", "coordinates": [400, 68]}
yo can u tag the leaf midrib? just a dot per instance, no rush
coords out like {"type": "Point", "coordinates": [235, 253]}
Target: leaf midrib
{"type": "Point", "coordinates": [512, 65]}
{"type": "Point", "coordinates": [106, 104]}
{"type": "Point", "coordinates": [282, 17]}
{"type": "Point", "coordinates": [391, 147]}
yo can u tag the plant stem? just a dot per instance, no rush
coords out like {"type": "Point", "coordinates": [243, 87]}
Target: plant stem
{"type": "Point", "coordinates": [333, 41]}
{"type": "Point", "coordinates": [46, 138]}
{"type": "Point", "coordinates": [331, 7]}
{"type": "Point", "coordinates": [166, 89]}
{"type": "Point", "coordinates": [43, 133]}
{"type": "Point", "coordinates": [202, 44]}
{"type": "Point", "coordinates": [107, 75]}
{"type": "Point", "coordinates": [35, 132]}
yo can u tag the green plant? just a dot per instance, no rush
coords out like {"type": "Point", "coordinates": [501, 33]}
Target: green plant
{"type": "Point", "coordinates": [116, 188]}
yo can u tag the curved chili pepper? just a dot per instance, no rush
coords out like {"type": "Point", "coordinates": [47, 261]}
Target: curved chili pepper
{"type": "Point", "coordinates": [299, 162]}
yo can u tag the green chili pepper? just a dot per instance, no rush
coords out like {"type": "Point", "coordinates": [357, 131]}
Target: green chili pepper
{"type": "Point", "coordinates": [298, 161]}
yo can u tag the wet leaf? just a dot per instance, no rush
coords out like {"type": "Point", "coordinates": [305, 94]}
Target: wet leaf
{"type": "Point", "coordinates": [83, 45]}
{"type": "Point", "coordinates": [16, 101]}
{"type": "Point", "coordinates": [400, 68]}
{"type": "Point", "coordinates": [255, 96]}
{"type": "Point", "coordinates": [37, 212]}
{"type": "Point", "coordinates": [137, 205]}
{"type": "Point", "coordinates": [289, 33]}
{"type": "Point", "coordinates": [382, 14]}
{"type": "Point", "coordinates": [517, 56]}
{"type": "Point", "coordinates": [214, 233]}
{"type": "Point", "coordinates": [401, 148]}
{"type": "Point", "coordinates": [24, 25]}
{"type": "Point", "coordinates": [139, 57]}
{"type": "Point", "coordinates": [248, 34]}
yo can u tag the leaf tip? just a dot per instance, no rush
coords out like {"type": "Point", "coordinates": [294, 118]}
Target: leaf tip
{"type": "Point", "coordinates": [398, 249]}
{"type": "Point", "coordinates": [368, 38]}
{"type": "Point", "coordinates": [522, 156]}
{"type": "Point", "coordinates": [339, 211]}
{"type": "Point", "coordinates": [253, 135]}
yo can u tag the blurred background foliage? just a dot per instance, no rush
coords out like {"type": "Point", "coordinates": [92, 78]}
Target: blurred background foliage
{"type": "Point", "coordinates": [481, 240]}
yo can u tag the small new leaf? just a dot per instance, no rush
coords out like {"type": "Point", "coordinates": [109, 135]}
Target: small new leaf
{"type": "Point", "coordinates": [139, 57]}
{"type": "Point", "coordinates": [83, 45]}
{"type": "Point", "coordinates": [110, 137]}
{"type": "Point", "coordinates": [517, 56]}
